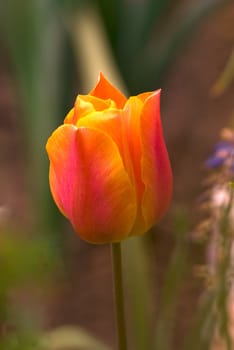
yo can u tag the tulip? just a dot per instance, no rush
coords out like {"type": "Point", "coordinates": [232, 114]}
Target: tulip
{"type": "Point", "coordinates": [110, 174]}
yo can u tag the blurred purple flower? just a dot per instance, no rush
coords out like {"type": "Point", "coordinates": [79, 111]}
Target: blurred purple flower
{"type": "Point", "coordinates": [223, 155]}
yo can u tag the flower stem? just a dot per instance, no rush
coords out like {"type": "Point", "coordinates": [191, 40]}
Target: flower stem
{"type": "Point", "coordinates": [118, 293]}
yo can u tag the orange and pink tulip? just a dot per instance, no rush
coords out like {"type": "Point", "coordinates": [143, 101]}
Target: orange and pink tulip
{"type": "Point", "coordinates": [110, 174]}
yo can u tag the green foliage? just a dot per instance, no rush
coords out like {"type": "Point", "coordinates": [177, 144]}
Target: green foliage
{"type": "Point", "coordinates": [177, 270]}
{"type": "Point", "coordinates": [225, 79]}
{"type": "Point", "coordinates": [25, 263]}
{"type": "Point", "coordinates": [20, 341]}
{"type": "Point", "coordinates": [138, 283]}
{"type": "Point", "coordinates": [24, 260]}
{"type": "Point", "coordinates": [159, 29]}
{"type": "Point", "coordinates": [29, 29]}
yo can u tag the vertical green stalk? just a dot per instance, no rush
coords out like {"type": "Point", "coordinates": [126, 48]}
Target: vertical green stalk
{"type": "Point", "coordinates": [118, 294]}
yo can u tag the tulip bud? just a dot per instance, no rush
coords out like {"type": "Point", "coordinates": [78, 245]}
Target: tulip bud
{"type": "Point", "coordinates": [110, 174]}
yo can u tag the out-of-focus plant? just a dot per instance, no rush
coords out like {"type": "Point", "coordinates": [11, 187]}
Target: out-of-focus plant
{"type": "Point", "coordinates": [69, 337]}
{"type": "Point", "coordinates": [33, 36]}
{"type": "Point", "coordinates": [179, 267]}
{"type": "Point", "coordinates": [159, 29]}
{"type": "Point", "coordinates": [225, 79]}
{"type": "Point", "coordinates": [216, 228]}
{"type": "Point", "coordinates": [153, 38]}
{"type": "Point", "coordinates": [25, 264]}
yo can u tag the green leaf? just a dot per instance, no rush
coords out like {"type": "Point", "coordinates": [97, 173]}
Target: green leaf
{"type": "Point", "coordinates": [138, 290]}
{"type": "Point", "coordinates": [33, 36]}
{"type": "Point", "coordinates": [23, 259]}
{"type": "Point", "coordinates": [201, 333]}
{"type": "Point", "coordinates": [173, 283]}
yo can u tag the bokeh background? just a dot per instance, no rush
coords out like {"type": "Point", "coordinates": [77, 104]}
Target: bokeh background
{"type": "Point", "coordinates": [51, 50]}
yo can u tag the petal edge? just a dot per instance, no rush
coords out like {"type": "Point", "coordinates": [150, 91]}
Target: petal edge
{"type": "Point", "coordinates": [156, 168]}
{"type": "Point", "coordinates": [105, 90]}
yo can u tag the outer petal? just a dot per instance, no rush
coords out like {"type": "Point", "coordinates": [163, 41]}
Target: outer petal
{"type": "Point", "coordinates": [132, 115]}
{"type": "Point", "coordinates": [61, 149]}
{"type": "Point", "coordinates": [156, 169]}
{"type": "Point", "coordinates": [90, 185]}
{"type": "Point", "coordinates": [105, 90]}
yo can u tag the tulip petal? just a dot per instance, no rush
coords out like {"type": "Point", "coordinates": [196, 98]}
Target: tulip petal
{"type": "Point", "coordinates": [144, 95]}
{"type": "Point", "coordinates": [156, 170]}
{"type": "Point", "coordinates": [97, 103]}
{"type": "Point", "coordinates": [86, 104]}
{"type": "Point", "coordinates": [132, 114]}
{"type": "Point", "coordinates": [90, 185]}
{"type": "Point", "coordinates": [110, 122]}
{"type": "Point", "coordinates": [105, 90]}
{"type": "Point", "coordinates": [71, 117]}
{"type": "Point", "coordinates": [61, 152]}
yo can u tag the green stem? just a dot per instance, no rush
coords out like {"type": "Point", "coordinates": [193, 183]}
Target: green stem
{"type": "Point", "coordinates": [118, 293]}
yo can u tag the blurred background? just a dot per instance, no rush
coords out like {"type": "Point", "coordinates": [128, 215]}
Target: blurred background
{"type": "Point", "coordinates": [54, 288]}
